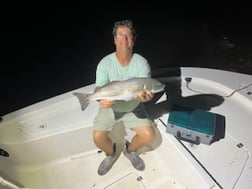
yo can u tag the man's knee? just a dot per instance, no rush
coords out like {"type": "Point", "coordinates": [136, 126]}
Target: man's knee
{"type": "Point", "coordinates": [150, 134]}
{"type": "Point", "coordinates": [146, 133]}
{"type": "Point", "coordinates": [99, 136]}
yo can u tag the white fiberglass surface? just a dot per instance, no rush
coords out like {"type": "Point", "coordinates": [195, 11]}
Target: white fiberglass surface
{"type": "Point", "coordinates": [66, 163]}
{"type": "Point", "coordinates": [80, 172]}
{"type": "Point", "coordinates": [166, 166]}
{"type": "Point", "coordinates": [227, 160]}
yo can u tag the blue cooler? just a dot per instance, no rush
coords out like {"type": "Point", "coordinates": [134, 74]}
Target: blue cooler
{"type": "Point", "coordinates": [192, 125]}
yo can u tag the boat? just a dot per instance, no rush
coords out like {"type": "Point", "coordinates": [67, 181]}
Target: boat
{"type": "Point", "coordinates": [48, 145]}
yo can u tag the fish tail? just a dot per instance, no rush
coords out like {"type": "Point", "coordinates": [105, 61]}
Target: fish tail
{"type": "Point", "coordinates": [83, 99]}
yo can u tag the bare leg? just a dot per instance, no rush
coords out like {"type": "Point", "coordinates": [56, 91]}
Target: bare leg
{"type": "Point", "coordinates": [144, 135]}
{"type": "Point", "coordinates": [103, 142]}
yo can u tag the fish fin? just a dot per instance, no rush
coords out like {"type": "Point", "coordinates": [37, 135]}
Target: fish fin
{"type": "Point", "coordinates": [83, 99]}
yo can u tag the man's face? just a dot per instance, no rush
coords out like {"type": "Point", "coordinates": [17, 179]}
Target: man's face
{"type": "Point", "coordinates": [123, 38]}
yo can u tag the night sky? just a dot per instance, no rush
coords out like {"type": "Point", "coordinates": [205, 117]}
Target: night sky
{"type": "Point", "coordinates": [48, 51]}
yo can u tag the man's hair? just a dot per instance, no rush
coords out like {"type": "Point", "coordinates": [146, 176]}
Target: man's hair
{"type": "Point", "coordinates": [128, 23]}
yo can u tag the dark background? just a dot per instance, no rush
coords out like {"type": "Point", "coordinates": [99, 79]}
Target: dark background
{"type": "Point", "coordinates": [48, 51]}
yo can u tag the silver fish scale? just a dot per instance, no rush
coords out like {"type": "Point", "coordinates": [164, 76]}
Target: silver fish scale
{"type": "Point", "coordinates": [117, 92]}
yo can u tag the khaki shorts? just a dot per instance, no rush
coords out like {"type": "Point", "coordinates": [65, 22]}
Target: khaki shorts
{"type": "Point", "coordinates": [107, 118]}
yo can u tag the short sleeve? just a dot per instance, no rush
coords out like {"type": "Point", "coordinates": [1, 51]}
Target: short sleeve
{"type": "Point", "coordinates": [101, 74]}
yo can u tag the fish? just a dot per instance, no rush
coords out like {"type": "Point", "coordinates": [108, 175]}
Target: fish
{"type": "Point", "coordinates": [125, 90]}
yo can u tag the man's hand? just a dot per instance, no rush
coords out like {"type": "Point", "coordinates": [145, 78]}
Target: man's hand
{"type": "Point", "coordinates": [144, 96]}
{"type": "Point", "coordinates": [105, 103]}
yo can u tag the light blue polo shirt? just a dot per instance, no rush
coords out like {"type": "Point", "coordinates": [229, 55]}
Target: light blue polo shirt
{"type": "Point", "coordinates": [109, 69]}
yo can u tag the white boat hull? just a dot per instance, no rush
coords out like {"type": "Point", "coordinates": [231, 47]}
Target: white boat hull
{"type": "Point", "coordinates": [50, 146]}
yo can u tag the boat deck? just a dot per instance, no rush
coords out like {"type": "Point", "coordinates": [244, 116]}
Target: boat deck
{"type": "Point", "coordinates": [51, 147]}
{"type": "Point", "coordinates": [80, 172]}
{"type": "Point", "coordinates": [166, 166]}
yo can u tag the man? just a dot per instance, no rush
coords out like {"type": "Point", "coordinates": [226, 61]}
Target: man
{"type": "Point", "coordinates": [121, 65]}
